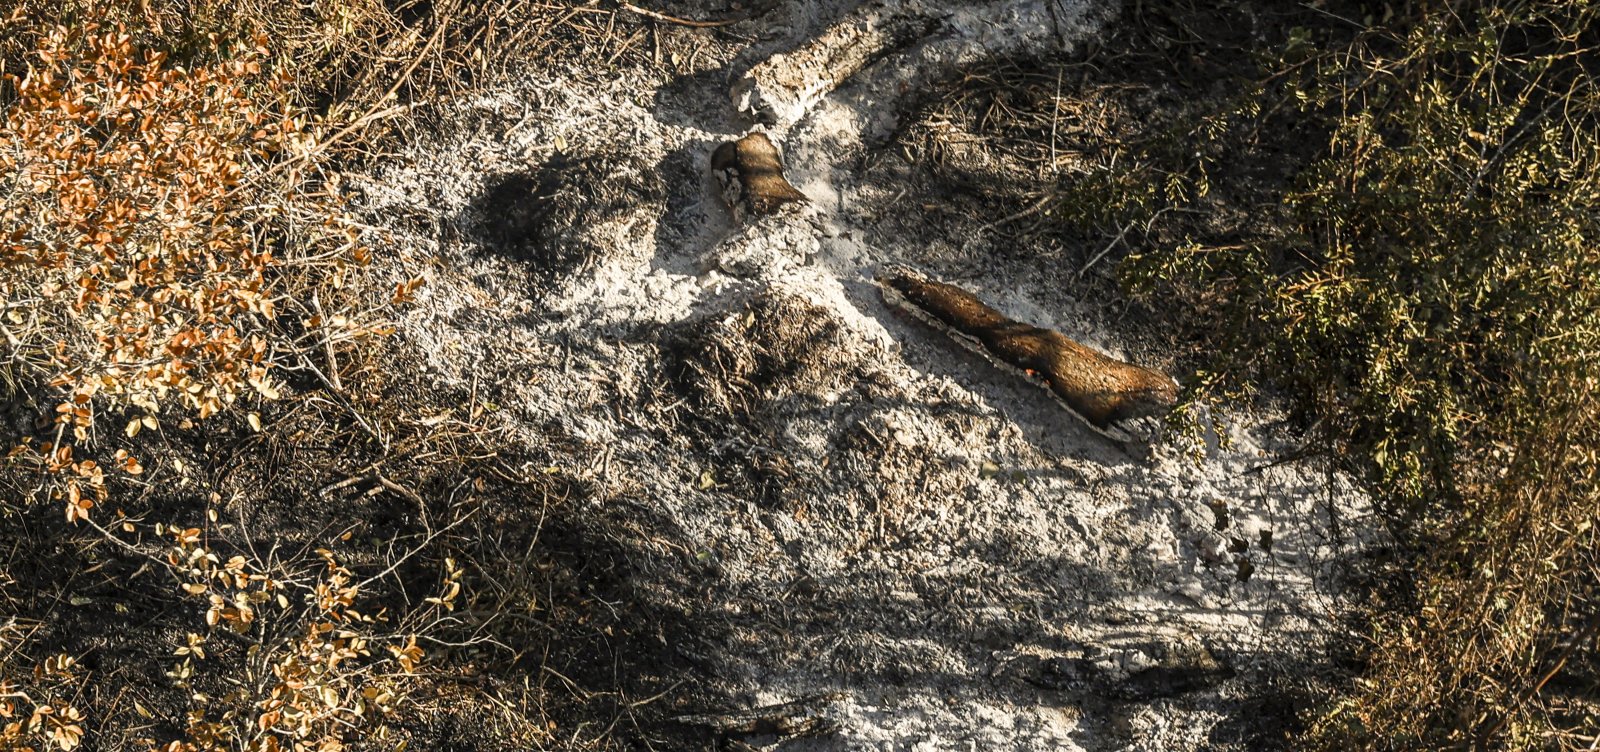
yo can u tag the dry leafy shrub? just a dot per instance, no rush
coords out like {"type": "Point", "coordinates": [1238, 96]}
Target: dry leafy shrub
{"type": "Point", "coordinates": [357, 62]}
{"type": "Point", "coordinates": [147, 250]}
{"type": "Point", "coordinates": [281, 653]}
{"type": "Point", "coordinates": [157, 257]}
{"type": "Point", "coordinates": [342, 55]}
{"type": "Point", "coordinates": [167, 233]}
{"type": "Point", "coordinates": [126, 246]}
{"type": "Point", "coordinates": [188, 255]}
{"type": "Point", "coordinates": [36, 709]}
{"type": "Point", "coordinates": [315, 672]}
{"type": "Point", "coordinates": [1428, 299]}
{"type": "Point", "coordinates": [318, 601]}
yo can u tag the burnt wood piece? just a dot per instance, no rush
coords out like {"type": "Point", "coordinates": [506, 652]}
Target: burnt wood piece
{"type": "Point", "coordinates": [750, 171]}
{"type": "Point", "coordinates": [1101, 390]}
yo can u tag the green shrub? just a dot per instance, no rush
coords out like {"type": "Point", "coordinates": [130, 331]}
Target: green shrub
{"type": "Point", "coordinates": [1436, 253]}
{"type": "Point", "coordinates": [1429, 301]}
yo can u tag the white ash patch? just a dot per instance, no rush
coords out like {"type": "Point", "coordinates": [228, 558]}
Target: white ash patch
{"type": "Point", "coordinates": [901, 523]}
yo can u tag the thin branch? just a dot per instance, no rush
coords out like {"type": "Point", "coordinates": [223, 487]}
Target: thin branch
{"type": "Point", "coordinates": [679, 21]}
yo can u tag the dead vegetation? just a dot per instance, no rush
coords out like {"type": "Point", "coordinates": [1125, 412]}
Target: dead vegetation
{"type": "Point", "coordinates": [732, 381]}
{"type": "Point", "coordinates": [272, 540]}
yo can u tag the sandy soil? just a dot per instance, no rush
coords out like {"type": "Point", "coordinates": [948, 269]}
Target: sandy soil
{"type": "Point", "coordinates": [821, 500]}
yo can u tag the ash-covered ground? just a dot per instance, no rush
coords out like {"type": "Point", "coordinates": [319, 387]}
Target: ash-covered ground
{"type": "Point", "coordinates": [816, 499]}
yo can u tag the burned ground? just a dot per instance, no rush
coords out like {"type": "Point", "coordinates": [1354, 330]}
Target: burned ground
{"type": "Point", "coordinates": [673, 491]}
{"type": "Point", "coordinates": [826, 498]}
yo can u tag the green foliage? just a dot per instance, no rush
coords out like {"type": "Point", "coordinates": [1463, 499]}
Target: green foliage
{"type": "Point", "coordinates": [1435, 255]}
{"type": "Point", "coordinates": [1427, 297]}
